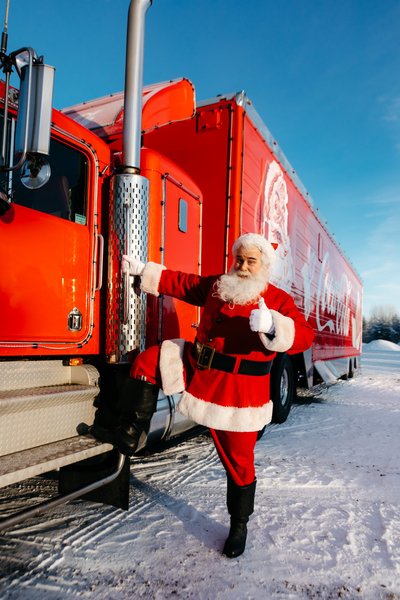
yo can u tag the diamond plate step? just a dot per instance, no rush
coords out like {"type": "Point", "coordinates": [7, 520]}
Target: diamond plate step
{"type": "Point", "coordinates": [35, 416]}
{"type": "Point", "coordinates": [43, 401]}
{"type": "Point", "coordinates": [20, 374]}
{"type": "Point", "coordinates": [35, 461]}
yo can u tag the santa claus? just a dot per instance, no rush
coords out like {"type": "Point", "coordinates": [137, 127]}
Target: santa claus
{"type": "Point", "coordinates": [224, 374]}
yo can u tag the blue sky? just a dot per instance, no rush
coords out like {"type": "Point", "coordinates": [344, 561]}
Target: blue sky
{"type": "Point", "coordinates": [323, 74]}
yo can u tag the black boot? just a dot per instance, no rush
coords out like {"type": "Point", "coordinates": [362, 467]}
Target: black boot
{"type": "Point", "coordinates": [105, 421]}
{"type": "Point", "coordinates": [240, 502]}
{"type": "Point", "coordinates": [137, 405]}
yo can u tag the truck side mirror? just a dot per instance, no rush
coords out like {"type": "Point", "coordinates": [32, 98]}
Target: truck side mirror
{"type": "Point", "coordinates": [35, 106]}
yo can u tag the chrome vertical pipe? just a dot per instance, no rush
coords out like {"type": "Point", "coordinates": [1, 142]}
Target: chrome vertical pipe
{"type": "Point", "coordinates": [133, 85]}
{"type": "Point", "coordinates": [129, 205]}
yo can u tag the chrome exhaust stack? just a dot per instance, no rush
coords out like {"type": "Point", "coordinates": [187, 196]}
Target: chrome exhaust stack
{"type": "Point", "coordinates": [134, 85]}
{"type": "Point", "coordinates": [128, 226]}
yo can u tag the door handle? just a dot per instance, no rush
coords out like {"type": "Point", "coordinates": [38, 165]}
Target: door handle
{"type": "Point", "coordinates": [99, 253]}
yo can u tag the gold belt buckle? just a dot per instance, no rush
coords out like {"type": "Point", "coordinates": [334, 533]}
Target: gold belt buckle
{"type": "Point", "coordinates": [206, 355]}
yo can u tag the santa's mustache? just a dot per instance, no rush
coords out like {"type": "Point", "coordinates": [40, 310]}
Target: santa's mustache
{"type": "Point", "coordinates": [241, 287]}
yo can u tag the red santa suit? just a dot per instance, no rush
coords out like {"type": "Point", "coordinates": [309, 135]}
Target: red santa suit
{"type": "Point", "coordinates": [224, 375]}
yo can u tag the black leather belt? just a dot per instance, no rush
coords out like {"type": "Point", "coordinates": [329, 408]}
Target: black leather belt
{"type": "Point", "coordinates": [208, 358]}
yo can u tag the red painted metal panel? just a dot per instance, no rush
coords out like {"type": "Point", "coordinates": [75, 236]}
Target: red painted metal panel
{"type": "Point", "coordinates": [245, 188]}
{"type": "Point", "coordinates": [169, 245]}
{"type": "Point", "coordinates": [310, 266]}
{"type": "Point", "coordinates": [201, 146]}
{"type": "Point", "coordinates": [47, 267]}
{"type": "Point", "coordinates": [44, 275]}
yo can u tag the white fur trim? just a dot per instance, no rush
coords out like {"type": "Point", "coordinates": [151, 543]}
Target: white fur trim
{"type": "Point", "coordinates": [151, 278]}
{"type": "Point", "coordinates": [226, 418]}
{"type": "Point", "coordinates": [284, 333]}
{"type": "Point", "coordinates": [171, 366]}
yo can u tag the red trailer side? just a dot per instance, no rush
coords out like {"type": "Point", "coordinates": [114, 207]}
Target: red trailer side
{"type": "Point", "coordinates": [248, 185]}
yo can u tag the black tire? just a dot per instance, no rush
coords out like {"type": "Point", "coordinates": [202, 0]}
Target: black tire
{"type": "Point", "coordinates": [283, 387]}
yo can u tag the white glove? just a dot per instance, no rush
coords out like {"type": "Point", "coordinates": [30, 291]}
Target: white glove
{"type": "Point", "coordinates": [132, 265]}
{"type": "Point", "coordinates": [261, 318]}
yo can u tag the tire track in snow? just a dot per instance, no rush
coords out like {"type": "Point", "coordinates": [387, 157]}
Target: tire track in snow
{"type": "Point", "coordinates": [330, 507]}
{"type": "Point", "coordinates": [80, 525]}
{"type": "Point", "coordinates": [152, 480]}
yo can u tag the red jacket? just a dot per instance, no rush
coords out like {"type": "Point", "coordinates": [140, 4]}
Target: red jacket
{"type": "Point", "coordinates": [214, 398]}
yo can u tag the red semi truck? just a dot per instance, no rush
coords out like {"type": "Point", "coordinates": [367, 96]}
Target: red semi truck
{"type": "Point", "coordinates": [149, 172]}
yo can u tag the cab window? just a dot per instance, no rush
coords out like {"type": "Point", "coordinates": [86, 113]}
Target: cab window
{"type": "Point", "coordinates": [65, 193]}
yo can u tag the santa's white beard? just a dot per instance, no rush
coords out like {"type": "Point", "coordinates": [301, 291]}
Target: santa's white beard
{"type": "Point", "coordinates": [241, 288]}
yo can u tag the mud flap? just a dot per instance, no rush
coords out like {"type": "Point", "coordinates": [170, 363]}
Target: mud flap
{"type": "Point", "coordinates": [77, 475]}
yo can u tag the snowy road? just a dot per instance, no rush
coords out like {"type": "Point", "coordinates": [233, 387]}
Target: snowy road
{"type": "Point", "coordinates": [326, 525]}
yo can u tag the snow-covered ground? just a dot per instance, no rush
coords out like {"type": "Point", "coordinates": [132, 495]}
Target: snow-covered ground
{"type": "Point", "coordinates": [326, 524]}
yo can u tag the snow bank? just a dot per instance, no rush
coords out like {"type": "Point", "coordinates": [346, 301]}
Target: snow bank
{"type": "Point", "coordinates": [381, 346]}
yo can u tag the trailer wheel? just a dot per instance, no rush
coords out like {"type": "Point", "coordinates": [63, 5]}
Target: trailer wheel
{"type": "Point", "coordinates": [282, 387]}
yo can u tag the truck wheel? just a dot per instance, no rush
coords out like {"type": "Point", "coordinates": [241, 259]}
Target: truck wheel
{"type": "Point", "coordinates": [282, 387]}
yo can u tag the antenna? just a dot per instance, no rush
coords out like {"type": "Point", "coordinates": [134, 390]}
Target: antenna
{"type": "Point", "coordinates": [6, 65]}
{"type": "Point", "coordinates": [4, 35]}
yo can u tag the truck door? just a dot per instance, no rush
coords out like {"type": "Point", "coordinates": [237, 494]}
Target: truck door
{"type": "Point", "coordinates": [182, 252]}
{"type": "Point", "coordinates": [47, 256]}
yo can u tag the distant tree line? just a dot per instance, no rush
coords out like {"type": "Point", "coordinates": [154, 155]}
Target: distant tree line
{"type": "Point", "coordinates": [383, 324]}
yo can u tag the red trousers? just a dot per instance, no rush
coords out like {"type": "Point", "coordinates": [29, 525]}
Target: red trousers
{"type": "Point", "coordinates": [235, 448]}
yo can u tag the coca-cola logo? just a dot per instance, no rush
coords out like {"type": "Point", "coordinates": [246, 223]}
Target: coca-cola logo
{"type": "Point", "coordinates": [337, 304]}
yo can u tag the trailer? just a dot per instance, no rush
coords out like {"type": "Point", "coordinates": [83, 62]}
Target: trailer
{"type": "Point", "coordinates": [147, 171]}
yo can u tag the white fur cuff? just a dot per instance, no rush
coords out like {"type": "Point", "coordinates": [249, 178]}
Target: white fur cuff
{"type": "Point", "coordinates": [151, 278]}
{"type": "Point", "coordinates": [171, 366]}
{"type": "Point", "coordinates": [226, 418]}
{"type": "Point", "coordinates": [284, 333]}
